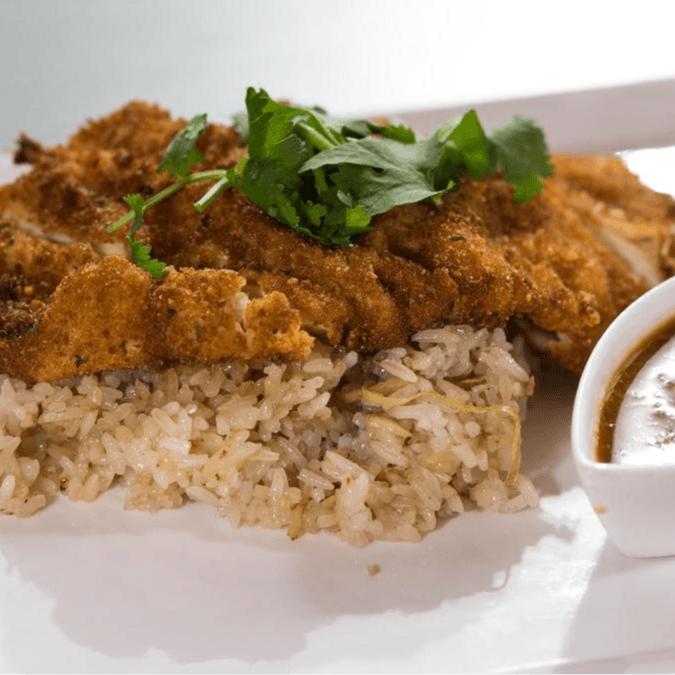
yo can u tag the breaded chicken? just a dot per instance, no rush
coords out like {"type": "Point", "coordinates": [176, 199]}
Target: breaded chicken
{"type": "Point", "coordinates": [108, 315]}
{"type": "Point", "coordinates": [556, 266]}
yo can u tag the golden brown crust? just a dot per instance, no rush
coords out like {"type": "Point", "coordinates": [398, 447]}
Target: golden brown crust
{"type": "Point", "coordinates": [193, 304]}
{"type": "Point", "coordinates": [109, 315]}
{"type": "Point", "coordinates": [323, 313]}
{"type": "Point", "coordinates": [478, 258]}
{"type": "Point", "coordinates": [76, 190]}
{"type": "Point", "coordinates": [536, 261]}
{"type": "Point", "coordinates": [96, 320]}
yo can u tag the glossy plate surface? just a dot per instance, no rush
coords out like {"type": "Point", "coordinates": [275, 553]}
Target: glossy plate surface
{"type": "Point", "coordinates": [96, 589]}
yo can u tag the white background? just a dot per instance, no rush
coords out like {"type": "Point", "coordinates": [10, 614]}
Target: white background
{"type": "Point", "coordinates": [66, 60]}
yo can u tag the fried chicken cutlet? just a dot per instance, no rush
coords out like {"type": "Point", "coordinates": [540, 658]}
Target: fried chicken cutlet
{"type": "Point", "coordinates": [477, 258]}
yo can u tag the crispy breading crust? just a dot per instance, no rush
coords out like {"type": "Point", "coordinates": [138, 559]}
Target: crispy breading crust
{"type": "Point", "coordinates": [110, 316]}
{"type": "Point", "coordinates": [477, 258]}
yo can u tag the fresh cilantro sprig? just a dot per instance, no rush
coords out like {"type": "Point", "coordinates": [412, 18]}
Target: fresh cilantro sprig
{"type": "Point", "coordinates": [140, 252]}
{"type": "Point", "coordinates": [182, 154]}
{"type": "Point", "coordinates": [178, 162]}
{"type": "Point", "coordinates": [326, 178]}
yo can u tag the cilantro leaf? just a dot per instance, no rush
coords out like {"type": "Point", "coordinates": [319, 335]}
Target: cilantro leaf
{"type": "Point", "coordinates": [271, 175]}
{"type": "Point", "coordinates": [519, 149]}
{"type": "Point", "coordinates": [140, 252]}
{"type": "Point", "coordinates": [399, 180]}
{"type": "Point", "coordinates": [467, 137]}
{"type": "Point", "coordinates": [182, 154]}
{"type": "Point", "coordinates": [240, 121]}
{"type": "Point", "coordinates": [399, 132]}
{"type": "Point", "coordinates": [140, 255]}
{"type": "Point", "coordinates": [356, 220]}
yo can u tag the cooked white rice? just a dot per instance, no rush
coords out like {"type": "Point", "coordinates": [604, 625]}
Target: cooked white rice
{"type": "Point", "coordinates": [369, 448]}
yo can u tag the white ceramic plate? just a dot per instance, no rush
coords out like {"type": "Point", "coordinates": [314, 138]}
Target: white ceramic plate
{"type": "Point", "coordinates": [95, 589]}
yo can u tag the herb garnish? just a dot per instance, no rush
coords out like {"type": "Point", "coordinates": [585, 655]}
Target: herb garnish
{"type": "Point", "coordinates": [326, 178]}
{"type": "Point", "coordinates": [140, 252]}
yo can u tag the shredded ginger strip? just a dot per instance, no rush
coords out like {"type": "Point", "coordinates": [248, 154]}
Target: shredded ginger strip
{"type": "Point", "coordinates": [370, 397]}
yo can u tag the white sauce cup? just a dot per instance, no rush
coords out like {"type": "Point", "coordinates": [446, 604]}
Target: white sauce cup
{"type": "Point", "coordinates": [635, 503]}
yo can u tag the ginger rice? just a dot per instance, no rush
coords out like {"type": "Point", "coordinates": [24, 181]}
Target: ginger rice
{"type": "Point", "coordinates": [366, 447]}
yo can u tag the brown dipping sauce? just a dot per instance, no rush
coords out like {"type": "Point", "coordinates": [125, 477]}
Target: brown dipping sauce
{"type": "Point", "coordinates": [620, 384]}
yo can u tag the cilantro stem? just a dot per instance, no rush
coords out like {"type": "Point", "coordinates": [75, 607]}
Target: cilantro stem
{"type": "Point", "coordinates": [313, 137]}
{"type": "Point", "coordinates": [215, 174]}
{"type": "Point", "coordinates": [206, 200]}
{"type": "Point", "coordinates": [146, 205]}
{"type": "Point", "coordinates": [320, 178]}
{"type": "Point", "coordinates": [333, 136]}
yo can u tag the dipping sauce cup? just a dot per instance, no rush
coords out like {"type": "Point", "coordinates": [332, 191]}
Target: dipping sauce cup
{"type": "Point", "coordinates": [635, 502]}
